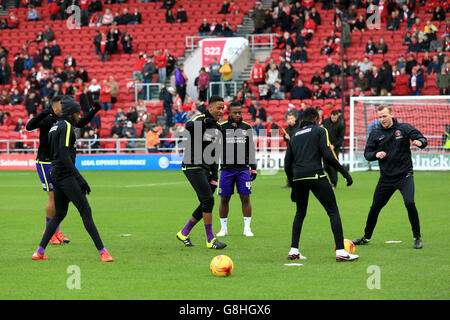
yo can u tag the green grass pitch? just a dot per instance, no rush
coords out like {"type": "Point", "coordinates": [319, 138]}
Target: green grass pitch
{"type": "Point", "coordinates": [152, 206]}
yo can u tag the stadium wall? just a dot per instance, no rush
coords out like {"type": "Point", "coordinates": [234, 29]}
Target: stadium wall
{"type": "Point", "coordinates": [267, 162]}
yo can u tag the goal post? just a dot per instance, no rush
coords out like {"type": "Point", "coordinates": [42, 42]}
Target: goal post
{"type": "Point", "coordinates": [429, 114]}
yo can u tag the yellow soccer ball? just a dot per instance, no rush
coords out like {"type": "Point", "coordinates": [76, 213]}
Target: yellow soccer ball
{"type": "Point", "coordinates": [221, 266]}
{"type": "Point", "coordinates": [349, 246]}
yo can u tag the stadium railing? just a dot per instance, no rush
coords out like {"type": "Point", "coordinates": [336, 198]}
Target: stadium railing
{"type": "Point", "coordinates": [220, 88]}
{"type": "Point", "coordinates": [146, 91]}
{"type": "Point", "coordinates": [137, 145]}
{"type": "Point", "coordinates": [264, 41]}
{"type": "Point", "coordinates": [255, 41]}
{"type": "Point", "coordinates": [192, 41]}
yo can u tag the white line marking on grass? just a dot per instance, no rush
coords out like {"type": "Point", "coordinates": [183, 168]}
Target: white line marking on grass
{"type": "Point", "coordinates": [293, 264]}
{"type": "Point", "coordinates": [154, 184]}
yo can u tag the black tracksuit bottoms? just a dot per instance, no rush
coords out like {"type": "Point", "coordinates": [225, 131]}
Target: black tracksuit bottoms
{"type": "Point", "coordinates": [321, 189]}
{"type": "Point", "coordinates": [383, 192]}
{"type": "Point", "coordinates": [68, 190]}
{"type": "Point", "coordinates": [199, 180]}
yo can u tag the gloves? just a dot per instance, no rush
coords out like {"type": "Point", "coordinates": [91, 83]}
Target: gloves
{"type": "Point", "coordinates": [46, 111]}
{"type": "Point", "coordinates": [96, 106]}
{"type": "Point", "coordinates": [85, 189]}
{"type": "Point", "coordinates": [253, 174]}
{"type": "Point", "coordinates": [293, 199]}
{"type": "Point", "coordinates": [209, 122]}
{"type": "Point", "coordinates": [349, 180]}
{"type": "Point", "coordinates": [213, 184]}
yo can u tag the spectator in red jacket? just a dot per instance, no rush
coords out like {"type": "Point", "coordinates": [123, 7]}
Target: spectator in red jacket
{"type": "Point", "coordinates": [105, 96]}
{"type": "Point", "coordinates": [401, 87]}
{"type": "Point", "coordinates": [161, 64]}
{"type": "Point", "coordinates": [430, 5]}
{"type": "Point", "coordinates": [309, 24]}
{"type": "Point", "coordinates": [53, 10]}
{"type": "Point", "coordinates": [139, 66]}
{"type": "Point", "coordinates": [12, 20]}
{"type": "Point", "coordinates": [84, 9]}
{"type": "Point", "coordinates": [233, 8]}
{"type": "Point", "coordinates": [308, 4]}
{"type": "Point", "coordinates": [23, 136]}
{"type": "Point", "coordinates": [258, 73]}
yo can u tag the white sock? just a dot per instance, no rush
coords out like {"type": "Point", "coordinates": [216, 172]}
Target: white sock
{"type": "Point", "coordinates": [247, 221]}
{"type": "Point", "coordinates": [341, 252]}
{"type": "Point", "coordinates": [294, 251]}
{"type": "Point", "coordinates": [223, 223]}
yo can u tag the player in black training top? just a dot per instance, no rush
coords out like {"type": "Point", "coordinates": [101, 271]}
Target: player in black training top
{"type": "Point", "coordinates": [44, 121]}
{"type": "Point", "coordinates": [390, 145]}
{"type": "Point", "coordinates": [304, 170]}
{"type": "Point", "coordinates": [237, 167]}
{"type": "Point", "coordinates": [200, 166]}
{"type": "Point", "coordinates": [68, 184]}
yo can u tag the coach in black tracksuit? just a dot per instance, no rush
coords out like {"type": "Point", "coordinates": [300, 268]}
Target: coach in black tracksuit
{"type": "Point", "coordinates": [303, 167]}
{"type": "Point", "coordinates": [200, 166]}
{"type": "Point", "coordinates": [336, 131]}
{"type": "Point", "coordinates": [390, 145]}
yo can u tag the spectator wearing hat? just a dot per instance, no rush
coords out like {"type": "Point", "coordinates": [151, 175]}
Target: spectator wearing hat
{"type": "Point", "coordinates": [401, 62]}
{"type": "Point", "coordinates": [291, 110]}
{"type": "Point", "coordinates": [129, 132]}
{"type": "Point", "coordinates": [410, 63]}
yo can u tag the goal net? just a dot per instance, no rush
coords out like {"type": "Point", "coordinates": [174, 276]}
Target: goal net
{"type": "Point", "coordinates": [429, 114]}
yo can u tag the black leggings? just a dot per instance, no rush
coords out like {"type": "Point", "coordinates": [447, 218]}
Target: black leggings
{"type": "Point", "coordinates": [321, 189]}
{"type": "Point", "coordinates": [68, 190]}
{"type": "Point", "coordinates": [199, 180]}
{"type": "Point", "coordinates": [383, 192]}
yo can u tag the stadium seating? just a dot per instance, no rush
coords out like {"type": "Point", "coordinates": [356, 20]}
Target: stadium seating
{"type": "Point", "coordinates": [153, 34]}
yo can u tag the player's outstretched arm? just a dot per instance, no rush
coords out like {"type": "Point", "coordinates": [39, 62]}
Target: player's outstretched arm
{"type": "Point", "coordinates": [37, 121]}
{"type": "Point", "coordinates": [329, 157]}
{"type": "Point", "coordinates": [288, 162]}
{"type": "Point", "coordinates": [92, 112]}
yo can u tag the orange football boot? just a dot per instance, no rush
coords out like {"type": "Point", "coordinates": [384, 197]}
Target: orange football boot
{"type": "Point", "coordinates": [106, 257]}
{"type": "Point", "coordinates": [61, 237]}
{"type": "Point", "coordinates": [37, 256]}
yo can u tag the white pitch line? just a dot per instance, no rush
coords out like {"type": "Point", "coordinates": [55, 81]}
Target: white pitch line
{"type": "Point", "coordinates": [154, 184]}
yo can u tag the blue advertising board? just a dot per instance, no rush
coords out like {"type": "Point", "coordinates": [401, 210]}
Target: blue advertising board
{"type": "Point", "coordinates": [130, 161]}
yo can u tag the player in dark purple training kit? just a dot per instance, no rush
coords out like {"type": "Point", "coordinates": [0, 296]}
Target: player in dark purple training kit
{"type": "Point", "coordinates": [237, 168]}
